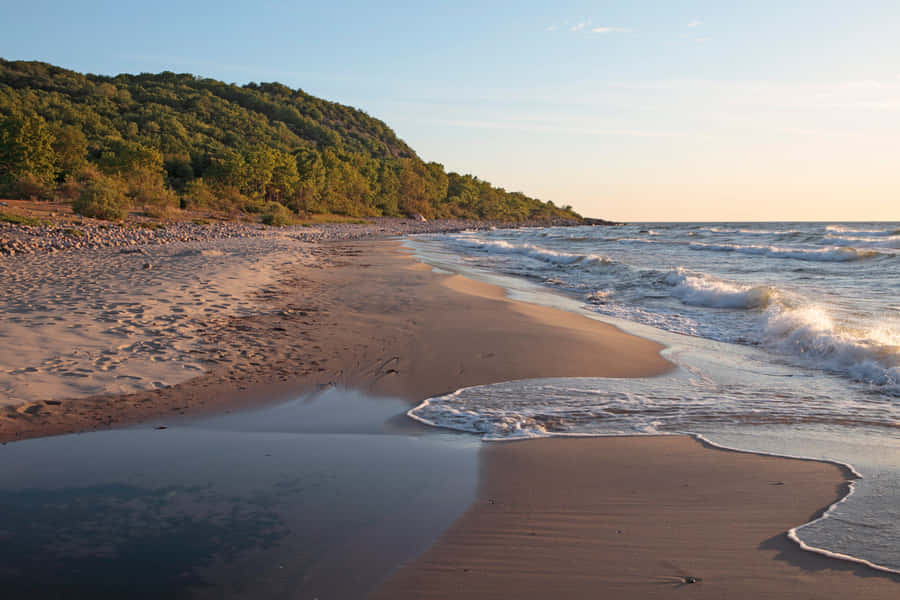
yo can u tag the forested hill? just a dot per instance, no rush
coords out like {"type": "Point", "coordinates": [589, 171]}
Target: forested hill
{"type": "Point", "coordinates": [159, 141]}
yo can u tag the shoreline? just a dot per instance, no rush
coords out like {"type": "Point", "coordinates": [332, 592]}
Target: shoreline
{"type": "Point", "coordinates": [366, 315]}
{"type": "Point", "coordinates": [359, 314]}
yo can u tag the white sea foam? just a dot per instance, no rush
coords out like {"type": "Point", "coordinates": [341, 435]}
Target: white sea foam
{"type": "Point", "coordinates": [751, 231]}
{"type": "Point", "coordinates": [828, 254]}
{"type": "Point", "coordinates": [843, 230]}
{"type": "Point", "coordinates": [529, 250]}
{"type": "Point", "coordinates": [599, 296]}
{"type": "Point", "coordinates": [892, 242]}
{"type": "Point", "coordinates": [703, 290]}
{"type": "Point", "coordinates": [810, 333]}
{"type": "Point", "coordinates": [683, 402]}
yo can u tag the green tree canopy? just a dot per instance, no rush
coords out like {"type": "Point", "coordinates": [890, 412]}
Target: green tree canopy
{"type": "Point", "coordinates": [241, 145]}
{"type": "Point", "coordinates": [26, 148]}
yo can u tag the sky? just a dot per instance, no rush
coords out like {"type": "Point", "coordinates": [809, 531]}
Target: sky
{"type": "Point", "coordinates": [632, 110]}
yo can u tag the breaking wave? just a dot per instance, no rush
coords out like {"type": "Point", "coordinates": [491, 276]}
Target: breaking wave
{"type": "Point", "coordinates": [844, 230]}
{"type": "Point", "coordinates": [868, 355]}
{"type": "Point", "coordinates": [828, 254]}
{"type": "Point", "coordinates": [529, 250]}
{"type": "Point", "coordinates": [702, 290]}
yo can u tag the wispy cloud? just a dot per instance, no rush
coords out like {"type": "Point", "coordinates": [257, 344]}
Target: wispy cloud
{"type": "Point", "coordinates": [702, 39]}
{"type": "Point", "coordinates": [551, 28]}
{"type": "Point", "coordinates": [612, 30]}
{"type": "Point", "coordinates": [695, 23]}
{"type": "Point", "coordinates": [579, 26]}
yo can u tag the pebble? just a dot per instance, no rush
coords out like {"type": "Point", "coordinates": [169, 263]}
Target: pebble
{"type": "Point", "coordinates": [24, 239]}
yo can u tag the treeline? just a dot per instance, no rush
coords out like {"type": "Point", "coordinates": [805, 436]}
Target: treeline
{"type": "Point", "coordinates": [158, 142]}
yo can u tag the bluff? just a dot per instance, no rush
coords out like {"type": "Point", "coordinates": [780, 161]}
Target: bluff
{"type": "Point", "coordinates": [162, 141]}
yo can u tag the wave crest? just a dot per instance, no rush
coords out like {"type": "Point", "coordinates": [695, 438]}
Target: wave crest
{"type": "Point", "coordinates": [828, 254]}
{"type": "Point", "coordinates": [842, 230]}
{"type": "Point", "coordinates": [701, 290]}
{"type": "Point", "coordinates": [531, 251]}
{"type": "Point", "coordinates": [867, 355]}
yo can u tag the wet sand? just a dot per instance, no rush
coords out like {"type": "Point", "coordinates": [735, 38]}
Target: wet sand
{"type": "Point", "coordinates": [637, 517]}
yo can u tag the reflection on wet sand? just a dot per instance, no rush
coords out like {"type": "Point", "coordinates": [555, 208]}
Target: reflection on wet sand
{"type": "Point", "coordinates": [290, 500]}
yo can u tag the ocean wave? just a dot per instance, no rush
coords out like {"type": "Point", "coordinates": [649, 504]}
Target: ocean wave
{"type": "Point", "coordinates": [658, 242]}
{"type": "Point", "coordinates": [752, 231]}
{"type": "Point", "coordinates": [866, 355]}
{"type": "Point", "coordinates": [891, 242]}
{"type": "Point", "coordinates": [828, 254]}
{"type": "Point", "coordinates": [531, 251]}
{"type": "Point", "coordinates": [703, 290]}
{"type": "Point", "coordinates": [598, 297]}
{"type": "Point", "coordinates": [842, 230]}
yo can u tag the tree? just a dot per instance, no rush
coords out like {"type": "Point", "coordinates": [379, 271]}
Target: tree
{"type": "Point", "coordinates": [388, 197]}
{"type": "Point", "coordinates": [26, 148]}
{"type": "Point", "coordinates": [259, 165]}
{"type": "Point", "coordinates": [122, 156]}
{"type": "Point", "coordinates": [70, 145]}
{"type": "Point", "coordinates": [285, 177]}
{"type": "Point", "coordinates": [311, 183]}
{"type": "Point", "coordinates": [265, 141]}
{"type": "Point", "coordinates": [228, 169]}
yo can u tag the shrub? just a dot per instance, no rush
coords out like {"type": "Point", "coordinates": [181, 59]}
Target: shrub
{"type": "Point", "coordinates": [69, 189]}
{"type": "Point", "coordinates": [158, 204]}
{"type": "Point", "coordinates": [29, 187]}
{"type": "Point", "coordinates": [101, 198]}
{"type": "Point", "coordinates": [228, 199]}
{"type": "Point", "coordinates": [277, 215]}
{"type": "Point", "coordinates": [255, 206]}
{"type": "Point", "coordinates": [148, 191]}
{"type": "Point", "coordinates": [198, 195]}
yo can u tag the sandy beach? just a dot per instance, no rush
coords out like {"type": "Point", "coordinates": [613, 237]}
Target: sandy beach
{"type": "Point", "coordinates": [618, 517]}
{"type": "Point", "coordinates": [262, 318]}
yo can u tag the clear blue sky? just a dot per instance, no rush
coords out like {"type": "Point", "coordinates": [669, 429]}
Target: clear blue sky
{"type": "Point", "coordinates": [628, 110]}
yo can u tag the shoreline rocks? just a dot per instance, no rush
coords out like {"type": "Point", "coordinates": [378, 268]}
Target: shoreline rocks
{"type": "Point", "coordinates": [24, 239]}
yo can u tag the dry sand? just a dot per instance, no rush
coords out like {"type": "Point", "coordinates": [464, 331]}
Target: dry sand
{"type": "Point", "coordinates": [123, 320]}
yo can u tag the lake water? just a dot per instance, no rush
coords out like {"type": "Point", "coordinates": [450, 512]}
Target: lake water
{"type": "Point", "coordinates": [786, 335]}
